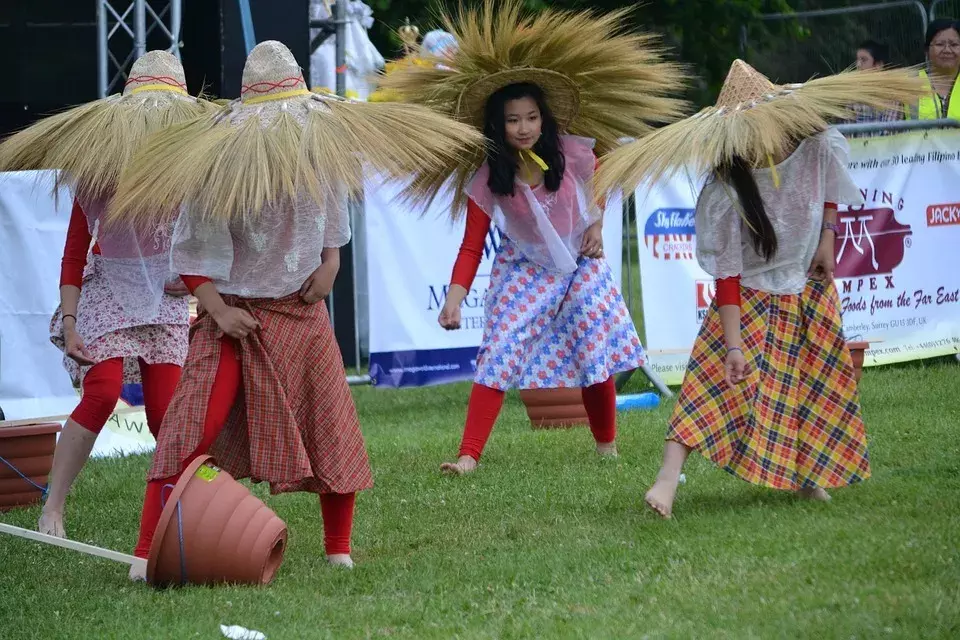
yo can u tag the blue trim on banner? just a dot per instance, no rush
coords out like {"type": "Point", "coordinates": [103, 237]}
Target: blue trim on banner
{"type": "Point", "coordinates": [424, 367]}
{"type": "Point", "coordinates": [246, 21]}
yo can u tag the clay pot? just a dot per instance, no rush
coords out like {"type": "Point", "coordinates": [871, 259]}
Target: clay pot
{"type": "Point", "coordinates": [229, 536]}
{"type": "Point", "coordinates": [857, 351]}
{"type": "Point", "coordinates": [28, 448]}
{"type": "Point", "coordinates": [554, 408]}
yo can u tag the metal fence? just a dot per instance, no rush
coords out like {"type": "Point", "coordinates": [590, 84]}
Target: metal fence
{"type": "Point", "coordinates": [789, 47]}
{"type": "Point", "coordinates": [944, 9]}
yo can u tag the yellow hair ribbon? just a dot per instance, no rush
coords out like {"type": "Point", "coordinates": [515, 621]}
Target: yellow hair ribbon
{"type": "Point", "coordinates": [276, 96]}
{"type": "Point", "coordinates": [537, 159]}
{"type": "Point", "coordinates": [773, 171]}
{"type": "Point", "coordinates": [158, 87]}
{"type": "Point", "coordinates": [736, 205]}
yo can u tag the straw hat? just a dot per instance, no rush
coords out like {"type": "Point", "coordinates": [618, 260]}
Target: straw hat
{"type": "Point", "coordinates": [93, 143]}
{"type": "Point", "coordinates": [156, 72]}
{"type": "Point", "coordinates": [754, 119]}
{"type": "Point", "coordinates": [271, 73]}
{"type": "Point", "coordinates": [279, 142]}
{"type": "Point", "coordinates": [600, 81]}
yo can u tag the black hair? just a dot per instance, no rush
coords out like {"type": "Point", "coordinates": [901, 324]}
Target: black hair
{"type": "Point", "coordinates": [878, 51]}
{"type": "Point", "coordinates": [938, 25]}
{"type": "Point", "coordinates": [501, 158]}
{"type": "Point", "coordinates": [738, 173]}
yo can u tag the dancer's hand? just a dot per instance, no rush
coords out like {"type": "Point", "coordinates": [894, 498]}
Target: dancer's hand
{"type": "Point", "coordinates": [176, 288]}
{"type": "Point", "coordinates": [592, 244]}
{"type": "Point", "coordinates": [75, 349]}
{"type": "Point", "coordinates": [736, 368]}
{"type": "Point", "coordinates": [450, 315]}
{"type": "Point", "coordinates": [235, 322]}
{"type": "Point", "coordinates": [824, 260]}
{"type": "Point", "coordinates": [319, 284]}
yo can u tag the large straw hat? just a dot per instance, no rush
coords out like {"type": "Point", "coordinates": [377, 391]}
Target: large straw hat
{"type": "Point", "coordinates": [600, 80]}
{"type": "Point", "coordinates": [754, 119]}
{"type": "Point", "coordinates": [279, 142]}
{"type": "Point", "coordinates": [93, 143]}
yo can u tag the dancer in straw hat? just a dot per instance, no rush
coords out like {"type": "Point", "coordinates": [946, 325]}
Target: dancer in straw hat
{"type": "Point", "coordinates": [264, 187]}
{"type": "Point", "coordinates": [548, 91]}
{"type": "Point", "coordinates": [769, 393]}
{"type": "Point", "coordinates": [121, 317]}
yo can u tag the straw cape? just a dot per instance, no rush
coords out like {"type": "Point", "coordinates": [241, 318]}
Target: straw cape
{"type": "Point", "coordinates": [599, 81]}
{"type": "Point", "coordinates": [94, 142]}
{"type": "Point", "coordinates": [753, 119]}
{"type": "Point", "coordinates": [279, 142]}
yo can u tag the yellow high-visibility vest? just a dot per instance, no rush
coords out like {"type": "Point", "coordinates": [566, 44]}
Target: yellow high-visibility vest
{"type": "Point", "coordinates": [929, 106]}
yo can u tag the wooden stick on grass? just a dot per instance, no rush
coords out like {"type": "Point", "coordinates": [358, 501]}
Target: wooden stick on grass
{"type": "Point", "coordinates": [89, 549]}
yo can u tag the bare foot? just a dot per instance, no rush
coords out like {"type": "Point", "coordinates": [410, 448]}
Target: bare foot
{"type": "Point", "coordinates": [51, 523]}
{"type": "Point", "coordinates": [138, 570]}
{"type": "Point", "coordinates": [340, 560]}
{"type": "Point", "coordinates": [661, 495]}
{"type": "Point", "coordinates": [607, 450]}
{"type": "Point", "coordinates": [816, 493]}
{"type": "Point", "coordinates": [463, 466]}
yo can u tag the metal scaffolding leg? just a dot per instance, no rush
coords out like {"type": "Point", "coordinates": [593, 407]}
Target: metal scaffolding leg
{"type": "Point", "coordinates": [122, 30]}
{"type": "Point", "coordinates": [622, 379]}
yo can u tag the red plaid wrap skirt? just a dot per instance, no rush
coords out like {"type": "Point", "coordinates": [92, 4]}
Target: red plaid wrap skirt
{"type": "Point", "coordinates": [294, 425]}
{"type": "Point", "coordinates": [795, 423]}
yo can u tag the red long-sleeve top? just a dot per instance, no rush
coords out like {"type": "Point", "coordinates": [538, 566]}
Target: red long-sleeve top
{"type": "Point", "coordinates": [471, 249]}
{"type": "Point", "coordinates": [76, 247]}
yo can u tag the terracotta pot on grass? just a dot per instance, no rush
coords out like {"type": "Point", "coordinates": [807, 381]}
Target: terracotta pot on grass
{"type": "Point", "coordinates": [554, 408]}
{"type": "Point", "coordinates": [857, 351]}
{"type": "Point", "coordinates": [221, 533]}
{"type": "Point", "coordinates": [27, 449]}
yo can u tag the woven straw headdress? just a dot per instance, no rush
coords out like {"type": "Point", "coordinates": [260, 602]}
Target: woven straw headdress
{"type": "Point", "coordinates": [755, 120]}
{"type": "Point", "coordinates": [279, 141]}
{"type": "Point", "coordinates": [93, 143]}
{"type": "Point", "coordinates": [599, 81]}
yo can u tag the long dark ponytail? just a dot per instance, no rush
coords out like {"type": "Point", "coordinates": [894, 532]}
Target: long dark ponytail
{"type": "Point", "coordinates": [739, 175]}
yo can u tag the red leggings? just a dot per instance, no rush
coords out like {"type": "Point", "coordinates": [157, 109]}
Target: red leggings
{"type": "Point", "coordinates": [102, 386]}
{"type": "Point", "coordinates": [336, 509]}
{"type": "Point", "coordinates": [600, 401]}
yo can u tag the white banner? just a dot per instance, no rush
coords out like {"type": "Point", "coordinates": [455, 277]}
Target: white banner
{"type": "Point", "coordinates": [33, 382]}
{"type": "Point", "coordinates": [32, 231]}
{"type": "Point", "coordinates": [409, 261]}
{"type": "Point", "coordinates": [898, 269]}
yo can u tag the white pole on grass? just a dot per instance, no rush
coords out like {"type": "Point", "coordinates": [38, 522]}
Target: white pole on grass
{"type": "Point", "coordinates": [88, 549]}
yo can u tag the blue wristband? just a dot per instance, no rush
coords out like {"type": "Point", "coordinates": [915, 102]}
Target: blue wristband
{"type": "Point", "coordinates": [732, 349]}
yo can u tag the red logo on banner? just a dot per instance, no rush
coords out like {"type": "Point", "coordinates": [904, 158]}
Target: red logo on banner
{"type": "Point", "coordinates": [706, 289]}
{"type": "Point", "coordinates": [939, 215]}
{"type": "Point", "coordinates": [870, 242]}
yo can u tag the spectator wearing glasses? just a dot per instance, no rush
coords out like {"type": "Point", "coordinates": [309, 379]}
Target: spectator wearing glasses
{"type": "Point", "coordinates": [943, 62]}
{"type": "Point", "coordinates": [875, 55]}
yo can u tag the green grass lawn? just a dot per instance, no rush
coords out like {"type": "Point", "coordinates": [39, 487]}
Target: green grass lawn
{"type": "Point", "coordinates": [546, 540]}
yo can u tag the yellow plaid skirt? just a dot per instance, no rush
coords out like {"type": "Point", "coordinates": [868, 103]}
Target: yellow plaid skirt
{"type": "Point", "coordinates": [795, 423]}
